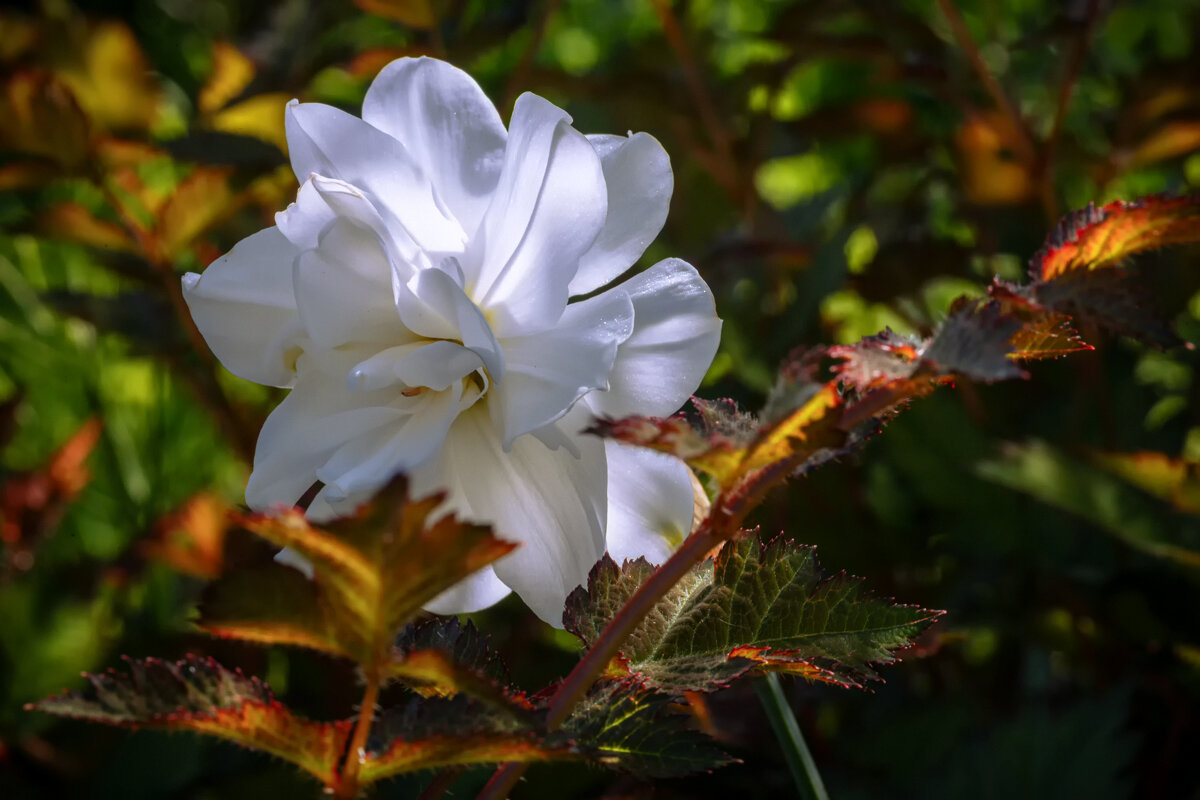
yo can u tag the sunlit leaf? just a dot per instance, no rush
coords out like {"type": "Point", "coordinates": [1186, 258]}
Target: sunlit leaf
{"type": "Point", "coordinates": [40, 115]}
{"type": "Point", "coordinates": [198, 694]}
{"type": "Point", "coordinates": [273, 604]}
{"type": "Point", "coordinates": [760, 604]}
{"type": "Point", "coordinates": [1176, 480]}
{"type": "Point", "coordinates": [1095, 238]}
{"type": "Point", "coordinates": [191, 538]}
{"type": "Point", "coordinates": [624, 726]}
{"type": "Point", "coordinates": [73, 222]}
{"type": "Point", "coordinates": [1093, 494]}
{"type": "Point", "coordinates": [375, 570]}
{"type": "Point", "coordinates": [231, 72]}
{"type": "Point", "coordinates": [260, 116]}
{"type": "Point", "coordinates": [199, 202]}
{"type": "Point", "coordinates": [111, 78]}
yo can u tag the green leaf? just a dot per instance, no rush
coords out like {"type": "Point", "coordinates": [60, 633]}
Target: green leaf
{"type": "Point", "coordinates": [372, 573]}
{"type": "Point", "coordinates": [761, 607]}
{"type": "Point", "coordinates": [1103, 499]}
{"type": "Point", "coordinates": [445, 656]}
{"type": "Point", "coordinates": [624, 726]}
{"type": "Point", "coordinates": [198, 694]}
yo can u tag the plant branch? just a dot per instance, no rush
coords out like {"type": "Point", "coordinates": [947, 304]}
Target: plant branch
{"type": "Point", "coordinates": [720, 525]}
{"type": "Point", "coordinates": [347, 788]}
{"type": "Point", "coordinates": [795, 751]}
{"type": "Point", "coordinates": [1023, 141]}
{"type": "Point", "coordinates": [441, 783]}
{"type": "Point", "coordinates": [723, 168]}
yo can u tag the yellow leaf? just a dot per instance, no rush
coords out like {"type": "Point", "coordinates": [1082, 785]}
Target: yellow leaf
{"type": "Point", "coordinates": [40, 115]}
{"type": "Point", "coordinates": [110, 77]}
{"type": "Point", "coordinates": [260, 116]}
{"type": "Point", "coordinates": [199, 202]}
{"type": "Point", "coordinates": [231, 72]}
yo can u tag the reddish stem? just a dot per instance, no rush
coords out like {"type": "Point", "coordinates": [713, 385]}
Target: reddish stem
{"type": "Point", "coordinates": [347, 788]}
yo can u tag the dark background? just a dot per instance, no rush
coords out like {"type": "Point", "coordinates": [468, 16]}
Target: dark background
{"type": "Point", "coordinates": [840, 167]}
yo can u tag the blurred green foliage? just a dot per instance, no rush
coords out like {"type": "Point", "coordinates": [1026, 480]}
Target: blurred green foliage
{"type": "Point", "coordinates": [840, 166]}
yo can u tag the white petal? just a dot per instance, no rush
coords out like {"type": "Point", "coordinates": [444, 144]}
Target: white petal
{"type": "Point", "coordinates": [546, 211]}
{"type": "Point", "coordinates": [480, 590]}
{"type": "Point", "coordinates": [548, 372]}
{"type": "Point", "coordinates": [245, 307]}
{"type": "Point", "coordinates": [637, 172]}
{"type": "Point", "coordinates": [317, 418]}
{"type": "Point", "coordinates": [448, 126]}
{"type": "Point", "coordinates": [675, 336]}
{"type": "Point", "coordinates": [343, 289]}
{"type": "Point", "coordinates": [650, 503]}
{"type": "Point", "coordinates": [321, 200]}
{"type": "Point", "coordinates": [438, 308]}
{"type": "Point", "coordinates": [549, 501]}
{"type": "Point", "coordinates": [326, 141]}
{"type": "Point", "coordinates": [365, 463]}
{"type": "Point", "coordinates": [429, 365]}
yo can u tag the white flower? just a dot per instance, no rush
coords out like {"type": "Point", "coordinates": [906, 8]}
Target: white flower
{"type": "Point", "coordinates": [416, 298]}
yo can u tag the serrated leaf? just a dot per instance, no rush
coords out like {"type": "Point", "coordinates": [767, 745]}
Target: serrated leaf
{"type": "Point", "coordinates": [624, 726]}
{"type": "Point", "coordinates": [272, 604]}
{"type": "Point", "coordinates": [975, 342]}
{"type": "Point", "coordinates": [1112, 298]}
{"type": "Point", "coordinates": [443, 656]}
{"type": "Point", "coordinates": [198, 694]}
{"type": "Point", "coordinates": [427, 733]}
{"type": "Point", "coordinates": [1095, 238]}
{"type": "Point", "coordinates": [758, 605]}
{"type": "Point", "coordinates": [375, 570]}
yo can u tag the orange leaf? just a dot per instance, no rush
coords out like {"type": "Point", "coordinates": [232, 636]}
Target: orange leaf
{"type": "Point", "coordinates": [411, 13]}
{"type": "Point", "coordinates": [1095, 238]}
{"type": "Point", "coordinates": [74, 222]}
{"type": "Point", "coordinates": [231, 72]}
{"type": "Point", "coordinates": [191, 538]}
{"type": "Point", "coordinates": [199, 202]}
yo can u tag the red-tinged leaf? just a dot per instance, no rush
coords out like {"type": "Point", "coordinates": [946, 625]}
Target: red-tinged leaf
{"type": "Point", "coordinates": [974, 342]}
{"type": "Point", "coordinates": [444, 657]}
{"type": "Point", "coordinates": [375, 570]}
{"type": "Point", "coordinates": [273, 604]}
{"type": "Point", "coordinates": [877, 360]}
{"type": "Point", "coordinates": [1095, 238]}
{"type": "Point", "coordinates": [811, 427]}
{"type": "Point", "coordinates": [32, 503]}
{"type": "Point", "coordinates": [191, 539]}
{"type": "Point", "coordinates": [428, 733]}
{"type": "Point", "coordinates": [1176, 480]}
{"type": "Point", "coordinates": [75, 223]}
{"type": "Point", "coordinates": [1112, 298]}
{"type": "Point", "coordinates": [767, 660]}
{"type": "Point", "coordinates": [759, 604]}
{"type": "Point", "coordinates": [198, 694]}
{"type": "Point", "coordinates": [713, 452]}
{"type": "Point", "coordinates": [1043, 333]}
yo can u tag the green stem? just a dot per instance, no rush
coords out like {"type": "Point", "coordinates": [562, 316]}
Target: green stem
{"type": "Point", "coordinates": [787, 731]}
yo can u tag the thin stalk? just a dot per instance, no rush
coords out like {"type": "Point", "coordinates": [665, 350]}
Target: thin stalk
{"type": "Point", "coordinates": [787, 732]}
{"type": "Point", "coordinates": [347, 788]}
{"type": "Point", "coordinates": [962, 35]}
{"type": "Point", "coordinates": [717, 527]}
{"type": "Point", "coordinates": [441, 783]}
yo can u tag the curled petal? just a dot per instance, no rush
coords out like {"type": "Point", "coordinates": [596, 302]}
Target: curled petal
{"type": "Point", "coordinates": [436, 307]}
{"type": "Point", "coordinates": [547, 209]}
{"type": "Point", "coordinates": [312, 423]}
{"type": "Point", "coordinates": [548, 372]}
{"type": "Point", "coordinates": [245, 307]}
{"type": "Point", "coordinates": [447, 125]}
{"type": "Point", "coordinates": [551, 501]}
{"type": "Point", "coordinates": [637, 173]}
{"type": "Point", "coordinates": [675, 336]}
{"type": "Point", "coordinates": [421, 365]}
{"type": "Point", "coordinates": [650, 503]}
{"type": "Point", "coordinates": [326, 141]}
{"type": "Point", "coordinates": [343, 289]}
